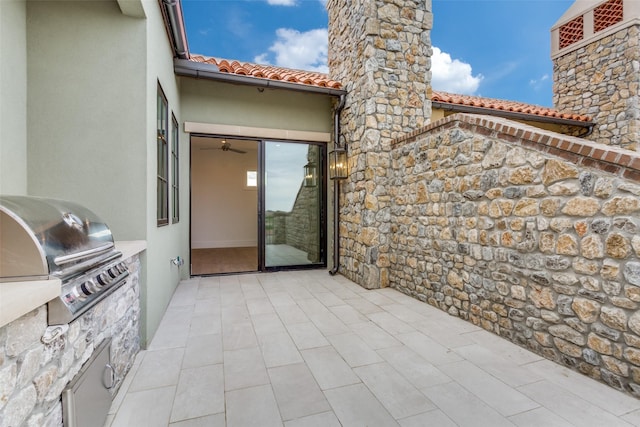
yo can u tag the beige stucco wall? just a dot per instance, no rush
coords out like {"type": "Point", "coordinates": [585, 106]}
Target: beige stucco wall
{"type": "Point", "coordinates": [86, 110]}
{"type": "Point", "coordinates": [223, 103]}
{"type": "Point", "coordinates": [92, 79]}
{"type": "Point", "coordinates": [170, 241]}
{"type": "Point", "coordinates": [13, 97]}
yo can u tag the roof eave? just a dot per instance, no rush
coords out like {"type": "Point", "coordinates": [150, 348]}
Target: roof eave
{"type": "Point", "coordinates": [515, 115]}
{"type": "Point", "coordinates": [200, 70]}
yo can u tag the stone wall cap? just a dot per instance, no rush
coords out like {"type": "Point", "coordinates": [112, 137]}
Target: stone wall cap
{"type": "Point", "coordinates": [580, 151]}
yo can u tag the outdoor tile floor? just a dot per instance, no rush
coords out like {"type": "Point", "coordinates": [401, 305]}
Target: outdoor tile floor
{"type": "Point", "coordinates": [307, 349]}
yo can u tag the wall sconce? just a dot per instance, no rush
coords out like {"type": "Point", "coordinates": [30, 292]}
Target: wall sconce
{"type": "Point", "coordinates": [338, 164]}
{"type": "Point", "coordinates": [310, 175]}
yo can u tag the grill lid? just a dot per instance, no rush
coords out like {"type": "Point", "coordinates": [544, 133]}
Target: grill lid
{"type": "Point", "coordinates": [45, 237]}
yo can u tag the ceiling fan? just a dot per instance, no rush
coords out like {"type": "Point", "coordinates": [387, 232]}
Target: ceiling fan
{"type": "Point", "coordinates": [226, 146]}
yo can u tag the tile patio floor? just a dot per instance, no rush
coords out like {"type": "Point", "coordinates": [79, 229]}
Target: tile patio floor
{"type": "Point", "coordinates": [307, 349]}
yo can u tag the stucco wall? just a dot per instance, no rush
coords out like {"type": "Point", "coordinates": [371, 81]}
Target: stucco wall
{"type": "Point", "coordinates": [86, 110]}
{"type": "Point", "coordinates": [13, 97]}
{"type": "Point", "coordinates": [529, 234]}
{"type": "Point", "coordinates": [92, 84]}
{"type": "Point", "coordinates": [170, 241]}
{"type": "Point", "coordinates": [222, 103]}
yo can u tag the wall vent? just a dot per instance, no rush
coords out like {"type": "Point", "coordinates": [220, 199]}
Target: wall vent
{"type": "Point", "coordinates": [607, 14]}
{"type": "Point", "coordinates": [571, 32]}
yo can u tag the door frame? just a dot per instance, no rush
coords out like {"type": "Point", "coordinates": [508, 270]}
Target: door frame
{"type": "Point", "coordinates": [323, 203]}
{"type": "Point", "coordinates": [322, 180]}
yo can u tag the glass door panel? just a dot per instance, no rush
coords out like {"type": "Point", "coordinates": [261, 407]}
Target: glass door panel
{"type": "Point", "coordinates": [293, 210]}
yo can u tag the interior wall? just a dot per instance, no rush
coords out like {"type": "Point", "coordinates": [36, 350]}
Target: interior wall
{"type": "Point", "coordinates": [13, 97]}
{"type": "Point", "coordinates": [224, 212]}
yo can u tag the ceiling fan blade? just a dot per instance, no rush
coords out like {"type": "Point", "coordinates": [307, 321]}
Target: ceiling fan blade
{"type": "Point", "coordinates": [235, 150]}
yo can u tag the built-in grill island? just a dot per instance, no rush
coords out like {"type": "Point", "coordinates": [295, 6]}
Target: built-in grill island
{"type": "Point", "coordinates": [50, 350]}
{"type": "Point", "coordinates": [45, 238]}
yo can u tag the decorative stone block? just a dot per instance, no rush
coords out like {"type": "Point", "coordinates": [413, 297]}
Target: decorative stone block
{"type": "Point", "coordinates": [567, 333]}
{"type": "Point", "coordinates": [587, 310]}
{"type": "Point", "coordinates": [615, 318]}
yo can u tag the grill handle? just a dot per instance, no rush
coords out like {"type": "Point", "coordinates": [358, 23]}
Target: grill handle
{"type": "Point", "coordinates": [65, 259]}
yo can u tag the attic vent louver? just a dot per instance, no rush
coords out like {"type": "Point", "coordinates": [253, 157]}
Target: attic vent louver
{"type": "Point", "coordinates": [571, 32]}
{"type": "Point", "coordinates": [607, 14]}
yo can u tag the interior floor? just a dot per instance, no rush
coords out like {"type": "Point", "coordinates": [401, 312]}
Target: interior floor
{"type": "Point", "coordinates": [223, 260]}
{"type": "Point", "coordinates": [239, 260]}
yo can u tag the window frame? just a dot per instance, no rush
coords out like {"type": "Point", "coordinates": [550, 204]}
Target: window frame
{"type": "Point", "coordinates": [162, 154]}
{"type": "Point", "coordinates": [175, 171]}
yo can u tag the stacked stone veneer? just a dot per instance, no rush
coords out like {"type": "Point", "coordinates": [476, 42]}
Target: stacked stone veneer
{"type": "Point", "coordinates": [33, 375]}
{"type": "Point", "coordinates": [529, 234]}
{"type": "Point", "coordinates": [380, 50]}
{"type": "Point", "coordinates": [602, 80]}
{"type": "Point", "coordinates": [303, 223]}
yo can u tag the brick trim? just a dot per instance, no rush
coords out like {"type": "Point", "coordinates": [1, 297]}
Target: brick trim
{"type": "Point", "coordinates": [615, 160]}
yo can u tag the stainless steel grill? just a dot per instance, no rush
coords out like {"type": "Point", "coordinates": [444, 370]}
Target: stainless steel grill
{"type": "Point", "coordinates": [46, 238]}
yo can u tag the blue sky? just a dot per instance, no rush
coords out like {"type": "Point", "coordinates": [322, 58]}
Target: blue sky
{"type": "Point", "coordinates": [492, 48]}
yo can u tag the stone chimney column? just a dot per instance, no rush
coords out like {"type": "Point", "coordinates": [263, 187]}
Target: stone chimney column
{"type": "Point", "coordinates": [380, 50]}
{"type": "Point", "coordinates": [595, 48]}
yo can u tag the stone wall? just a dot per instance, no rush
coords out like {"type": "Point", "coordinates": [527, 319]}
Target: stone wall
{"type": "Point", "coordinates": [300, 227]}
{"type": "Point", "coordinates": [380, 50]}
{"type": "Point", "coordinates": [303, 223]}
{"type": "Point", "coordinates": [602, 80]}
{"type": "Point", "coordinates": [33, 375]}
{"type": "Point", "coordinates": [529, 234]}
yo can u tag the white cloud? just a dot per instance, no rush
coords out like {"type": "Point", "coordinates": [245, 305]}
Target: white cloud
{"type": "Point", "coordinates": [537, 84]}
{"type": "Point", "coordinates": [263, 58]}
{"type": "Point", "coordinates": [453, 75]}
{"type": "Point", "coordinates": [293, 49]}
{"type": "Point", "coordinates": [308, 51]}
{"type": "Point", "coordinates": [282, 2]}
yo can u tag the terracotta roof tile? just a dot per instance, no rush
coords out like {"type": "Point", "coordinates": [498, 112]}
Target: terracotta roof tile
{"type": "Point", "coordinates": [499, 104]}
{"type": "Point", "coordinates": [322, 80]}
{"type": "Point", "coordinates": [270, 72]}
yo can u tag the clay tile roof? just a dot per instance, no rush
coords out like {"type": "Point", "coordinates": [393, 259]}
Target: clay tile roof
{"type": "Point", "coordinates": [312, 78]}
{"type": "Point", "coordinates": [271, 72]}
{"type": "Point", "coordinates": [502, 105]}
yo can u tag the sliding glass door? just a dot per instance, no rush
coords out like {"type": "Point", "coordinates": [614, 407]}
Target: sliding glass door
{"type": "Point", "coordinates": [292, 208]}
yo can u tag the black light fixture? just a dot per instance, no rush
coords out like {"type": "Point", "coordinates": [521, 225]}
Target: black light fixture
{"type": "Point", "coordinates": [338, 164]}
{"type": "Point", "coordinates": [310, 175]}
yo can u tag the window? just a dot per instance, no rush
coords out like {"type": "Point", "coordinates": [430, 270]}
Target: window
{"type": "Point", "coordinates": [163, 161]}
{"type": "Point", "coordinates": [252, 179]}
{"type": "Point", "coordinates": [175, 176]}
